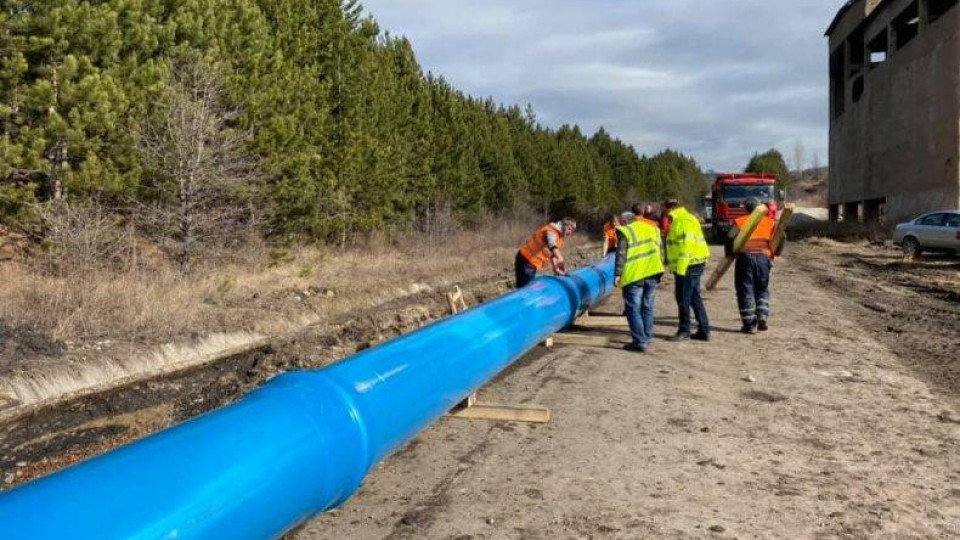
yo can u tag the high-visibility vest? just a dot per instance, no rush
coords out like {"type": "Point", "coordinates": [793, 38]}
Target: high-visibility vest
{"type": "Point", "coordinates": [686, 245]}
{"type": "Point", "coordinates": [537, 251]}
{"type": "Point", "coordinates": [759, 241]}
{"type": "Point", "coordinates": [643, 252]}
{"type": "Point", "coordinates": [610, 232]}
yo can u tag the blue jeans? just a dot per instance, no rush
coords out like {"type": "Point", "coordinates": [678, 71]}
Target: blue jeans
{"type": "Point", "coordinates": [638, 298]}
{"type": "Point", "coordinates": [753, 287]}
{"type": "Point", "coordinates": [688, 296]}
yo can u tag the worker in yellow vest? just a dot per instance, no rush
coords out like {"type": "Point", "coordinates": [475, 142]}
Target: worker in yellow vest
{"type": "Point", "coordinates": [687, 256]}
{"type": "Point", "coordinates": [753, 268]}
{"type": "Point", "coordinates": [544, 246]}
{"type": "Point", "coordinates": [637, 272]}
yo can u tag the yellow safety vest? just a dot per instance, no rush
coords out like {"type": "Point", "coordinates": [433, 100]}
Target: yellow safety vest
{"type": "Point", "coordinates": [686, 245]}
{"type": "Point", "coordinates": [643, 252]}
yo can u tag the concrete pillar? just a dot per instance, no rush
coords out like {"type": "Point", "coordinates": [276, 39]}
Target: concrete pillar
{"type": "Point", "coordinates": [851, 212]}
{"type": "Point", "coordinates": [834, 213]}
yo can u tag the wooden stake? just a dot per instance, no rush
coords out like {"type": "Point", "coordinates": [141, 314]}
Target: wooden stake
{"type": "Point", "coordinates": [780, 231]}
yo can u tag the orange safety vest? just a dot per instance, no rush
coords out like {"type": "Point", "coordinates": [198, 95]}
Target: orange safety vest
{"type": "Point", "coordinates": [536, 251]}
{"type": "Point", "coordinates": [761, 238]}
{"type": "Point", "coordinates": [610, 231]}
{"type": "Point", "coordinates": [648, 222]}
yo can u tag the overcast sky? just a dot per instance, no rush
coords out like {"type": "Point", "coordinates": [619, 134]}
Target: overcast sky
{"type": "Point", "coordinates": [716, 79]}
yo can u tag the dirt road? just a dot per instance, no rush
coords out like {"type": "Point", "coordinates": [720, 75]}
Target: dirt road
{"type": "Point", "coordinates": [850, 428]}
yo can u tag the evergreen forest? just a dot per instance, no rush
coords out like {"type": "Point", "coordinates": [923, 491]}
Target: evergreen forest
{"type": "Point", "coordinates": [303, 118]}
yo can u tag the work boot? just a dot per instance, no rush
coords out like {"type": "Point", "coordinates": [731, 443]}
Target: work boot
{"type": "Point", "coordinates": [701, 336]}
{"type": "Point", "coordinates": [680, 336]}
{"type": "Point", "coordinates": [633, 347]}
{"type": "Point", "coordinates": [762, 325]}
{"type": "Point", "coordinates": [749, 328]}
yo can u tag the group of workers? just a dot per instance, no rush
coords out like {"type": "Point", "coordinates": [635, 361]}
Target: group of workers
{"type": "Point", "coordinates": [646, 244]}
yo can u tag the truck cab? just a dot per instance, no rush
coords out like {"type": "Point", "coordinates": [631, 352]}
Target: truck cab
{"type": "Point", "coordinates": [730, 193]}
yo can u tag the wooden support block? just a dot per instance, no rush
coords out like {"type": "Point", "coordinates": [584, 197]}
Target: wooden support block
{"type": "Point", "coordinates": [456, 301]}
{"type": "Point", "coordinates": [603, 322]}
{"type": "Point", "coordinates": [522, 413]}
{"type": "Point", "coordinates": [581, 339]}
{"type": "Point", "coordinates": [548, 343]}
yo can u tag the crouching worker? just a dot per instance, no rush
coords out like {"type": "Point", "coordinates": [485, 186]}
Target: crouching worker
{"type": "Point", "coordinates": [752, 271]}
{"type": "Point", "coordinates": [638, 270]}
{"type": "Point", "coordinates": [545, 245]}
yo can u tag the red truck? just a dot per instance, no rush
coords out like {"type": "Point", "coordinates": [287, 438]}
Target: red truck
{"type": "Point", "coordinates": [730, 193]}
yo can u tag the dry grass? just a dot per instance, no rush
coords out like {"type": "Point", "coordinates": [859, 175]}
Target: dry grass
{"type": "Point", "coordinates": [127, 313]}
{"type": "Point", "coordinates": [138, 295]}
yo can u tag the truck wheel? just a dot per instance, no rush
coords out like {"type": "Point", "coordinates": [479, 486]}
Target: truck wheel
{"type": "Point", "coordinates": [911, 247]}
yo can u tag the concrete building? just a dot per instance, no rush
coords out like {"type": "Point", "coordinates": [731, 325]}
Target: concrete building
{"type": "Point", "coordinates": [894, 109]}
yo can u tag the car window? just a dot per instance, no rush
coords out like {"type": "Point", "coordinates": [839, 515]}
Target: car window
{"type": "Point", "coordinates": [933, 220]}
{"type": "Point", "coordinates": [954, 221]}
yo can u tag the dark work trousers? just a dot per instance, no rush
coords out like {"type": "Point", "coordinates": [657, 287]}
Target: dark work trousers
{"type": "Point", "coordinates": [525, 271]}
{"type": "Point", "coordinates": [687, 289]}
{"type": "Point", "coordinates": [753, 286]}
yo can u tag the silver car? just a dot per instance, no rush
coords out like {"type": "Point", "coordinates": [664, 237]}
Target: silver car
{"type": "Point", "coordinates": [936, 231]}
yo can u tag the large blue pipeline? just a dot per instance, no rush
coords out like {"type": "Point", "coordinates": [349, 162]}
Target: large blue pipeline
{"type": "Point", "coordinates": [304, 441]}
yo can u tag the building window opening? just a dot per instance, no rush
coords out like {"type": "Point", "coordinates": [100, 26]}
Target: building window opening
{"type": "Point", "coordinates": [877, 48]}
{"type": "Point", "coordinates": [837, 85]}
{"type": "Point", "coordinates": [855, 50]}
{"type": "Point", "coordinates": [907, 25]}
{"type": "Point", "coordinates": [858, 88]}
{"type": "Point", "coordinates": [938, 8]}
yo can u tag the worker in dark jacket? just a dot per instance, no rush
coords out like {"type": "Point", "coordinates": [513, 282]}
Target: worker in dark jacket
{"type": "Point", "coordinates": [753, 268]}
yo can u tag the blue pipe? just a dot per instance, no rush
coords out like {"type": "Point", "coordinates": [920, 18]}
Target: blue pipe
{"type": "Point", "coordinates": [304, 441]}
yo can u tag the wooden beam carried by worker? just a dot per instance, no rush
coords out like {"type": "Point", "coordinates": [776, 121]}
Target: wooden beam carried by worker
{"type": "Point", "coordinates": [738, 244]}
{"type": "Point", "coordinates": [780, 230]}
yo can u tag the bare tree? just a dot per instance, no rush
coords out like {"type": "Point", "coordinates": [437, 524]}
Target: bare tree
{"type": "Point", "coordinates": [799, 157]}
{"type": "Point", "coordinates": [190, 148]}
{"type": "Point", "coordinates": [817, 173]}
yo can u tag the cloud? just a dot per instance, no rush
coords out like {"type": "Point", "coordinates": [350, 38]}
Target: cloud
{"type": "Point", "coordinates": [716, 80]}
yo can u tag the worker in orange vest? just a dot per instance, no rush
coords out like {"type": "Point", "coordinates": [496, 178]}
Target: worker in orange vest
{"type": "Point", "coordinates": [544, 246]}
{"type": "Point", "coordinates": [753, 268]}
{"type": "Point", "coordinates": [610, 233]}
